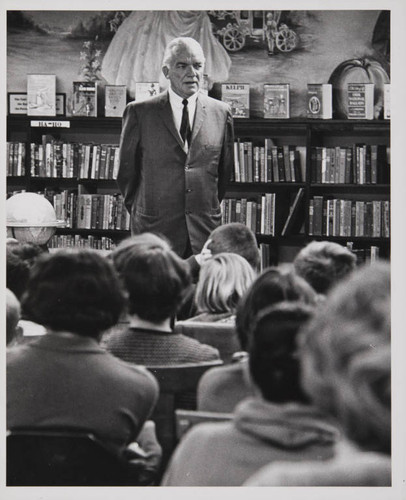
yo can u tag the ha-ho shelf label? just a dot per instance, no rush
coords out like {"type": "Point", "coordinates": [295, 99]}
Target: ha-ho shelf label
{"type": "Point", "coordinates": [50, 123]}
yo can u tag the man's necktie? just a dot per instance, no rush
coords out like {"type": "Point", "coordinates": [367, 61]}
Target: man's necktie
{"type": "Point", "coordinates": [185, 130]}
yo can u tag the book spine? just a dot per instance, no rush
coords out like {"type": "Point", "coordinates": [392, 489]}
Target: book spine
{"type": "Point", "coordinates": [263, 216]}
{"type": "Point", "coordinates": [341, 156]}
{"type": "Point", "coordinates": [317, 215]}
{"type": "Point", "coordinates": [244, 211]}
{"type": "Point", "coordinates": [237, 177]}
{"type": "Point", "coordinates": [262, 170]}
{"type": "Point", "coordinates": [238, 211]}
{"type": "Point", "coordinates": [348, 166]}
{"type": "Point", "coordinates": [368, 165]}
{"type": "Point", "coordinates": [329, 171]}
{"type": "Point", "coordinates": [313, 164]}
{"type": "Point", "coordinates": [116, 162]}
{"type": "Point", "coordinates": [286, 163]}
{"type": "Point", "coordinates": [324, 218]}
{"type": "Point", "coordinates": [281, 164]}
{"type": "Point", "coordinates": [268, 161]}
{"type": "Point", "coordinates": [311, 217]}
{"type": "Point", "coordinates": [374, 164]}
{"type": "Point", "coordinates": [347, 217]}
{"type": "Point", "coordinates": [386, 219]}
{"type": "Point", "coordinates": [256, 152]}
{"type": "Point", "coordinates": [250, 166]}
{"type": "Point", "coordinates": [376, 218]}
{"type": "Point", "coordinates": [323, 152]}
{"type": "Point", "coordinates": [275, 169]}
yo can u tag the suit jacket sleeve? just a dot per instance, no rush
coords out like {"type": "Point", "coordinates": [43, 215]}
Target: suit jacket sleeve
{"type": "Point", "coordinates": [129, 166]}
{"type": "Point", "coordinates": [227, 157]}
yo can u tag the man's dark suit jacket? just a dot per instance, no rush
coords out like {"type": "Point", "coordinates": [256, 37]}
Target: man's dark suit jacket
{"type": "Point", "coordinates": [165, 189]}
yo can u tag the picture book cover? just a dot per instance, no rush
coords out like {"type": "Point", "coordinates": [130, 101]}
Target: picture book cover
{"type": "Point", "coordinates": [276, 100]}
{"type": "Point", "coordinates": [237, 96]}
{"type": "Point", "coordinates": [115, 100]}
{"type": "Point", "coordinates": [320, 100]}
{"type": "Point", "coordinates": [145, 90]}
{"type": "Point", "coordinates": [41, 95]}
{"type": "Point", "coordinates": [361, 101]}
{"type": "Point", "coordinates": [84, 101]}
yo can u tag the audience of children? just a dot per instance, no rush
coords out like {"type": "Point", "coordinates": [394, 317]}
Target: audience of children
{"type": "Point", "coordinates": [220, 389]}
{"type": "Point", "coordinates": [274, 425]}
{"type": "Point", "coordinates": [156, 280]}
{"type": "Point", "coordinates": [310, 371]}
{"type": "Point", "coordinates": [346, 365]}
{"type": "Point", "coordinates": [324, 263]}
{"type": "Point", "coordinates": [64, 378]}
{"type": "Point", "coordinates": [20, 257]}
{"type": "Point", "coordinates": [229, 238]}
{"type": "Point", "coordinates": [223, 281]}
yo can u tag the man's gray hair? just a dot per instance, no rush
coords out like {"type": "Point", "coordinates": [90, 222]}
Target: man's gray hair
{"type": "Point", "coordinates": [177, 44]}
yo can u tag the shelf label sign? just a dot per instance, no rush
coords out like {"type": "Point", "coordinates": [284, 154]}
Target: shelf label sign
{"type": "Point", "coordinates": [50, 123]}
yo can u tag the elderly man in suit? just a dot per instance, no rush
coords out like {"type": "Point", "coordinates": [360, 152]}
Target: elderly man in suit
{"type": "Point", "coordinates": [176, 154]}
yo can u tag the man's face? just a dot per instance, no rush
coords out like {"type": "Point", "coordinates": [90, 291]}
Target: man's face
{"type": "Point", "coordinates": [185, 72]}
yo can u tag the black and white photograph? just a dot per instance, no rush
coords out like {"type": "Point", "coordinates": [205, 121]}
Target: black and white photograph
{"type": "Point", "coordinates": [203, 211]}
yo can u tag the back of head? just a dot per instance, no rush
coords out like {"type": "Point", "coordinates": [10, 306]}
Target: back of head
{"type": "Point", "coordinates": [13, 313]}
{"type": "Point", "coordinates": [154, 276]}
{"type": "Point", "coordinates": [270, 287]}
{"type": "Point", "coordinates": [273, 360]}
{"type": "Point", "coordinates": [74, 290]}
{"type": "Point", "coordinates": [236, 238]}
{"type": "Point", "coordinates": [20, 257]}
{"type": "Point", "coordinates": [323, 264]}
{"type": "Point", "coordinates": [345, 352]}
{"type": "Point", "coordinates": [223, 280]}
{"type": "Point", "coordinates": [145, 240]}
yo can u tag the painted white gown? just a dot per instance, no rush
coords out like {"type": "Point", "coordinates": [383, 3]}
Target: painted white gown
{"type": "Point", "coordinates": [136, 50]}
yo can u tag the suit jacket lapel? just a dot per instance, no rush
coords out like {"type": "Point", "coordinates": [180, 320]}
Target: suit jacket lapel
{"type": "Point", "coordinates": [167, 118]}
{"type": "Point", "coordinates": [200, 115]}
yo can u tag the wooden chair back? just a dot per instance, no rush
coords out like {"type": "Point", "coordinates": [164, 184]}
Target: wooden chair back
{"type": "Point", "coordinates": [185, 419]}
{"type": "Point", "coordinates": [222, 336]}
{"type": "Point", "coordinates": [178, 388]}
{"type": "Point", "coordinates": [63, 458]}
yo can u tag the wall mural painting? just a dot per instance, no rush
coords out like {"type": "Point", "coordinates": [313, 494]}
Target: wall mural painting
{"type": "Point", "coordinates": [255, 47]}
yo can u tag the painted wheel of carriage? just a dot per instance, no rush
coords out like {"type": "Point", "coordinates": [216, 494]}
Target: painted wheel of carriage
{"type": "Point", "coordinates": [286, 40]}
{"type": "Point", "coordinates": [233, 39]}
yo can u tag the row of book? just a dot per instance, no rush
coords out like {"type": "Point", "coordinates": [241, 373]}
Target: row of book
{"type": "Point", "coordinates": [54, 158]}
{"type": "Point", "coordinates": [364, 255]}
{"type": "Point", "coordinates": [78, 241]}
{"type": "Point", "coordinates": [276, 99]}
{"type": "Point", "coordinates": [268, 163]}
{"type": "Point", "coordinates": [258, 215]}
{"type": "Point", "coordinates": [15, 158]}
{"type": "Point", "coordinates": [267, 258]}
{"type": "Point", "coordinates": [358, 164]}
{"type": "Point", "coordinates": [90, 211]}
{"type": "Point", "coordinates": [42, 99]}
{"type": "Point", "coordinates": [341, 217]}
{"type": "Point", "coordinates": [319, 103]}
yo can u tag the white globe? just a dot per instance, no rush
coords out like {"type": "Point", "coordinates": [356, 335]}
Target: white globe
{"type": "Point", "coordinates": [31, 218]}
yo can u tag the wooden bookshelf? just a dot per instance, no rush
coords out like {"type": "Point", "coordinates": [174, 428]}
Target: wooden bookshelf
{"type": "Point", "coordinates": [302, 133]}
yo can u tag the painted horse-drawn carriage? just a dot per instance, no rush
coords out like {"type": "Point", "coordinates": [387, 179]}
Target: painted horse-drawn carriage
{"type": "Point", "coordinates": [257, 25]}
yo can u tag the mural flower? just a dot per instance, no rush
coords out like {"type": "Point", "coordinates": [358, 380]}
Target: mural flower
{"type": "Point", "coordinates": [91, 57]}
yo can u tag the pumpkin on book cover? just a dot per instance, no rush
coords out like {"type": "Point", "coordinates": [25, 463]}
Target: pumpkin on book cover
{"type": "Point", "coordinates": [362, 70]}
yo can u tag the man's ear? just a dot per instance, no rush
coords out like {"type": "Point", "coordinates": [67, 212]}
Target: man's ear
{"type": "Point", "coordinates": [165, 71]}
